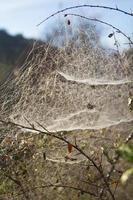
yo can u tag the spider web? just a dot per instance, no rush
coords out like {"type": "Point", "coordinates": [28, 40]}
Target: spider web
{"type": "Point", "coordinates": [73, 87]}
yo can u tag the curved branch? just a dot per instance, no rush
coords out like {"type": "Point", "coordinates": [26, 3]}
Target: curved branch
{"type": "Point", "coordinates": [85, 6]}
{"type": "Point", "coordinates": [102, 22]}
{"type": "Point", "coordinates": [46, 132]}
{"type": "Point", "coordinates": [63, 186]}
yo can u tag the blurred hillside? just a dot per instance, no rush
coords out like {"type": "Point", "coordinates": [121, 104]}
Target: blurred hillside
{"type": "Point", "coordinates": [13, 51]}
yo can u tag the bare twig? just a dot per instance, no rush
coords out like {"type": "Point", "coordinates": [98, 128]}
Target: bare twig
{"type": "Point", "coordinates": [67, 142]}
{"type": "Point", "coordinates": [86, 6]}
{"type": "Point", "coordinates": [66, 186]}
{"type": "Point", "coordinates": [115, 160]}
{"type": "Point", "coordinates": [102, 22]}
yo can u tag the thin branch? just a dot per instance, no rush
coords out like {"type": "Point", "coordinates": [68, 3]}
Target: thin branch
{"type": "Point", "coordinates": [18, 183]}
{"type": "Point", "coordinates": [63, 186]}
{"type": "Point", "coordinates": [66, 186]}
{"type": "Point", "coordinates": [116, 159]}
{"type": "Point", "coordinates": [102, 22]}
{"type": "Point", "coordinates": [32, 125]}
{"type": "Point", "coordinates": [67, 142]}
{"type": "Point", "coordinates": [85, 6]}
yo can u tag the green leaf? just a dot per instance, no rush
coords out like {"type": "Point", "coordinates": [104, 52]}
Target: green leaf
{"type": "Point", "coordinates": [126, 152]}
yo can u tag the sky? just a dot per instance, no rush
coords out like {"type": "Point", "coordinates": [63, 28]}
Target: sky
{"type": "Point", "coordinates": [22, 16]}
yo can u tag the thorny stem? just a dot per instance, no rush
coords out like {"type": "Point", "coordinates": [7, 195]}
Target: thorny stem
{"type": "Point", "coordinates": [106, 179]}
{"type": "Point", "coordinates": [102, 22]}
{"type": "Point", "coordinates": [66, 141]}
{"type": "Point", "coordinates": [85, 6]}
{"type": "Point", "coordinates": [93, 19]}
